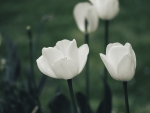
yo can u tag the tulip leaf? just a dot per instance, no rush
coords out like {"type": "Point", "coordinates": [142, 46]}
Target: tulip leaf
{"type": "Point", "coordinates": [83, 103]}
{"type": "Point", "coordinates": [100, 108]}
{"type": "Point", "coordinates": [40, 30]}
{"type": "Point", "coordinates": [17, 100]}
{"type": "Point", "coordinates": [60, 104]}
{"type": "Point", "coordinates": [105, 105]}
{"type": "Point", "coordinates": [13, 63]}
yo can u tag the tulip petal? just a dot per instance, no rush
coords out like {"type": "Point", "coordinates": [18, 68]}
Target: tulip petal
{"type": "Point", "coordinates": [126, 68]}
{"type": "Point", "coordinates": [85, 10]}
{"type": "Point", "coordinates": [82, 56]}
{"type": "Point", "coordinates": [65, 69]}
{"type": "Point", "coordinates": [106, 9]}
{"type": "Point", "coordinates": [52, 54]}
{"type": "Point", "coordinates": [44, 67]}
{"type": "Point", "coordinates": [129, 47]}
{"type": "Point", "coordinates": [63, 45]}
{"type": "Point", "coordinates": [92, 1]}
{"type": "Point", "coordinates": [79, 12]}
{"type": "Point", "coordinates": [72, 51]}
{"type": "Point", "coordinates": [109, 67]}
{"type": "Point", "coordinates": [115, 54]}
{"type": "Point", "coordinates": [92, 19]}
{"type": "Point", "coordinates": [111, 45]}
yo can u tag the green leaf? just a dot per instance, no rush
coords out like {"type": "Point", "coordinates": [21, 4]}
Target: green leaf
{"type": "Point", "coordinates": [83, 103]}
{"type": "Point", "coordinates": [106, 105]}
{"type": "Point", "coordinates": [13, 66]}
{"type": "Point", "coordinates": [60, 104]}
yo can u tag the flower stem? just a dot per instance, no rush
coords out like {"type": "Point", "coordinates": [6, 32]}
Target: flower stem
{"type": "Point", "coordinates": [126, 96]}
{"type": "Point", "coordinates": [87, 64]}
{"type": "Point", "coordinates": [32, 69]}
{"type": "Point", "coordinates": [106, 43]}
{"type": "Point", "coordinates": [72, 94]}
{"type": "Point", "coordinates": [31, 56]}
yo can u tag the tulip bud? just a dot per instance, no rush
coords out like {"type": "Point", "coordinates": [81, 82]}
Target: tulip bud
{"type": "Point", "coordinates": [120, 61]}
{"type": "Point", "coordinates": [85, 11]}
{"type": "Point", "coordinates": [106, 9]}
{"type": "Point", "coordinates": [64, 61]}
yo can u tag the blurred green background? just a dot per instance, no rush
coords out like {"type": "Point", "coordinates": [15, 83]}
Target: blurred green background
{"type": "Point", "coordinates": [132, 25]}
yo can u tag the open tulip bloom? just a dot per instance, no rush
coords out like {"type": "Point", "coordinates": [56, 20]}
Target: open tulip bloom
{"type": "Point", "coordinates": [85, 11]}
{"type": "Point", "coordinates": [64, 61]}
{"type": "Point", "coordinates": [120, 61]}
{"type": "Point", "coordinates": [106, 9]}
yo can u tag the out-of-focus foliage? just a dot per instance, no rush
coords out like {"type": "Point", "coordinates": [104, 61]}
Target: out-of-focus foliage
{"type": "Point", "coordinates": [60, 104]}
{"type": "Point", "coordinates": [14, 96]}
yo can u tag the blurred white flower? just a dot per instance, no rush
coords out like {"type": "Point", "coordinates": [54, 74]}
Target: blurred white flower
{"type": "Point", "coordinates": [106, 9]}
{"type": "Point", "coordinates": [85, 10]}
{"type": "Point", "coordinates": [64, 61]}
{"type": "Point", "coordinates": [120, 61]}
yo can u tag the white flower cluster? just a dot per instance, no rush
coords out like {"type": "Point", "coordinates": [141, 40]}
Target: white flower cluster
{"type": "Point", "coordinates": [66, 60]}
{"type": "Point", "coordinates": [103, 9]}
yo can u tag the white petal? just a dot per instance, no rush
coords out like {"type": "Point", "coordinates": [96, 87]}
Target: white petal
{"type": "Point", "coordinates": [126, 69]}
{"type": "Point", "coordinates": [44, 67]}
{"type": "Point", "coordinates": [63, 45]}
{"type": "Point", "coordinates": [83, 52]}
{"type": "Point", "coordinates": [52, 54]}
{"type": "Point", "coordinates": [109, 67]}
{"type": "Point", "coordinates": [107, 9]}
{"type": "Point", "coordinates": [93, 20]}
{"type": "Point", "coordinates": [92, 1]}
{"type": "Point", "coordinates": [131, 51]}
{"type": "Point", "coordinates": [85, 10]}
{"type": "Point", "coordinates": [79, 12]}
{"type": "Point", "coordinates": [115, 54]}
{"type": "Point", "coordinates": [111, 45]}
{"type": "Point", "coordinates": [65, 69]}
{"type": "Point", "coordinates": [72, 51]}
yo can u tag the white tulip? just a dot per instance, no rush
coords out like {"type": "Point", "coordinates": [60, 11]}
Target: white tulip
{"type": "Point", "coordinates": [64, 61]}
{"type": "Point", "coordinates": [120, 61]}
{"type": "Point", "coordinates": [85, 10]}
{"type": "Point", "coordinates": [106, 9]}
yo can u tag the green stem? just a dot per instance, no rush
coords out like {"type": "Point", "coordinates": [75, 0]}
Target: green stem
{"type": "Point", "coordinates": [31, 56]}
{"type": "Point", "coordinates": [32, 69]}
{"type": "Point", "coordinates": [87, 63]}
{"type": "Point", "coordinates": [126, 97]}
{"type": "Point", "coordinates": [106, 43]}
{"type": "Point", "coordinates": [72, 94]}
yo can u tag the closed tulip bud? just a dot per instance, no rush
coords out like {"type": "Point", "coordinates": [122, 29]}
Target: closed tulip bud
{"type": "Point", "coordinates": [106, 9]}
{"type": "Point", "coordinates": [120, 61]}
{"type": "Point", "coordinates": [64, 61]}
{"type": "Point", "coordinates": [85, 11]}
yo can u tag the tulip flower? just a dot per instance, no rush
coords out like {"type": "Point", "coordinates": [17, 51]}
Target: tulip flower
{"type": "Point", "coordinates": [64, 61]}
{"type": "Point", "coordinates": [120, 61]}
{"type": "Point", "coordinates": [85, 11]}
{"type": "Point", "coordinates": [106, 9]}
